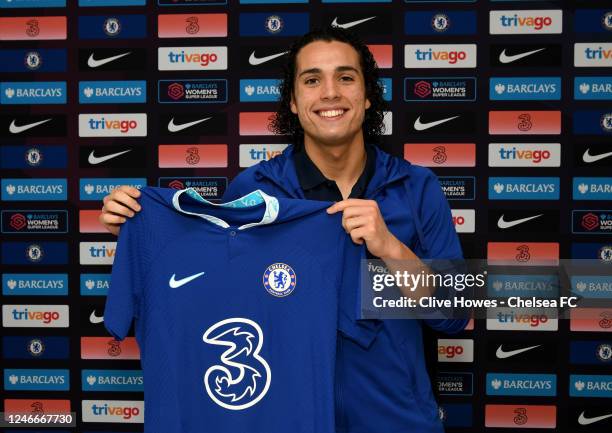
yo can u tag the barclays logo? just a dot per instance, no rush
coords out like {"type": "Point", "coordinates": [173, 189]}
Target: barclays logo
{"type": "Point", "coordinates": [34, 284]}
{"type": "Point", "coordinates": [43, 92]}
{"type": "Point", "coordinates": [525, 88]}
{"type": "Point", "coordinates": [593, 88]}
{"type": "Point", "coordinates": [33, 189]}
{"type": "Point", "coordinates": [112, 380]}
{"type": "Point", "coordinates": [592, 188]}
{"type": "Point", "coordinates": [592, 286]}
{"type": "Point", "coordinates": [97, 188]}
{"type": "Point", "coordinates": [36, 380]}
{"type": "Point", "coordinates": [522, 384]}
{"type": "Point", "coordinates": [586, 385]}
{"type": "Point", "coordinates": [263, 90]}
{"type": "Point", "coordinates": [116, 92]}
{"type": "Point", "coordinates": [523, 188]}
{"type": "Point", "coordinates": [94, 284]}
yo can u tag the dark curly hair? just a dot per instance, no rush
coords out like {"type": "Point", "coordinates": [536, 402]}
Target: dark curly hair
{"type": "Point", "coordinates": [284, 122]}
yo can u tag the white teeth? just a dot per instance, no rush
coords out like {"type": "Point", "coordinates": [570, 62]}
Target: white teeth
{"type": "Point", "coordinates": [331, 113]}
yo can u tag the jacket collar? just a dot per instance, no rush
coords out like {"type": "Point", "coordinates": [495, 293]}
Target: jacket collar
{"type": "Point", "coordinates": [280, 171]}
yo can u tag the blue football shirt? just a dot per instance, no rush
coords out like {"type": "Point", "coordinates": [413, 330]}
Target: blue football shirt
{"type": "Point", "coordinates": [236, 309]}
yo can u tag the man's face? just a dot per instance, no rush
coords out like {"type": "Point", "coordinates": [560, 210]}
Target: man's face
{"type": "Point", "coordinates": [329, 92]}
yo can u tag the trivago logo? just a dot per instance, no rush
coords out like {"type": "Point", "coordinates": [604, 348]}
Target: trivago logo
{"type": "Point", "coordinates": [191, 58]}
{"type": "Point", "coordinates": [440, 56]}
{"type": "Point", "coordinates": [251, 154]}
{"type": "Point", "coordinates": [113, 125]}
{"type": "Point", "coordinates": [121, 411]}
{"type": "Point", "coordinates": [35, 316]}
{"type": "Point", "coordinates": [464, 220]}
{"type": "Point", "coordinates": [524, 155]}
{"type": "Point", "coordinates": [593, 54]}
{"type": "Point", "coordinates": [515, 319]}
{"type": "Point", "coordinates": [97, 253]}
{"type": "Point", "coordinates": [455, 350]}
{"type": "Point", "coordinates": [525, 22]}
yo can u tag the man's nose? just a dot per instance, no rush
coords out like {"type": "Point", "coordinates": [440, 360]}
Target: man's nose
{"type": "Point", "coordinates": [329, 89]}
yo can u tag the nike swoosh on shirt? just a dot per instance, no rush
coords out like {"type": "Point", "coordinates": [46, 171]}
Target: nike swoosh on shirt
{"type": "Point", "coordinates": [504, 58]}
{"type": "Point", "coordinates": [178, 283]}
{"type": "Point", "coordinates": [502, 224]}
{"type": "Point", "coordinates": [253, 60]}
{"type": "Point", "coordinates": [172, 127]}
{"type": "Point", "coordinates": [350, 24]}
{"type": "Point", "coordinates": [583, 420]}
{"type": "Point", "coordinates": [93, 63]}
{"type": "Point", "coordinates": [95, 319]}
{"type": "Point", "coordinates": [423, 126]}
{"type": "Point", "coordinates": [501, 354]}
{"type": "Point", "coordinates": [92, 159]}
{"type": "Point", "coordinates": [588, 158]}
{"type": "Point", "coordinates": [14, 129]}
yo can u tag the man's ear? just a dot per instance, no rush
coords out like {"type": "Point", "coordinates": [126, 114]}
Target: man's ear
{"type": "Point", "coordinates": [368, 104]}
{"type": "Point", "coordinates": [292, 104]}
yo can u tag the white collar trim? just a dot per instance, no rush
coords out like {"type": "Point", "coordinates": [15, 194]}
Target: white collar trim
{"type": "Point", "coordinates": [251, 199]}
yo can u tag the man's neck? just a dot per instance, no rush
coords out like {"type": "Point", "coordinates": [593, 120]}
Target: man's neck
{"type": "Point", "coordinates": [341, 163]}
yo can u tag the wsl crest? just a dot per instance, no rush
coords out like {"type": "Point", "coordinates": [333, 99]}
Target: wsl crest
{"type": "Point", "coordinates": [279, 280]}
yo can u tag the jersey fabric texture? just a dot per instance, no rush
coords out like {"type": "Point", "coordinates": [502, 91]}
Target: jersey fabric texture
{"type": "Point", "coordinates": [237, 308]}
{"type": "Point", "coordinates": [385, 387]}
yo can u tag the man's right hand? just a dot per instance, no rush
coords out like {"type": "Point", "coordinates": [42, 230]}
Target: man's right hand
{"type": "Point", "coordinates": [118, 205]}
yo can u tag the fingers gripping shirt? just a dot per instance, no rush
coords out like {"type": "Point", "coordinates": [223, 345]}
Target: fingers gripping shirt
{"type": "Point", "coordinates": [236, 309]}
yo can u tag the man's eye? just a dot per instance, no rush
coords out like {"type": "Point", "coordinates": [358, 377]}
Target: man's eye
{"type": "Point", "coordinates": [346, 78]}
{"type": "Point", "coordinates": [310, 81]}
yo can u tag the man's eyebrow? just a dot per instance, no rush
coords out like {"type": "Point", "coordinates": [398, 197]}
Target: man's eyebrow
{"type": "Point", "coordinates": [338, 69]}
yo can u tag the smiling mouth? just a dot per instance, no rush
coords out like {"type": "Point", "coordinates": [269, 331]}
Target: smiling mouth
{"type": "Point", "coordinates": [331, 114]}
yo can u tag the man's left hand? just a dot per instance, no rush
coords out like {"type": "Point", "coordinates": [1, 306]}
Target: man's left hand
{"type": "Point", "coordinates": [363, 221]}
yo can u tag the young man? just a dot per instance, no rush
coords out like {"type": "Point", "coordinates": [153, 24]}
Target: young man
{"type": "Point", "coordinates": [331, 104]}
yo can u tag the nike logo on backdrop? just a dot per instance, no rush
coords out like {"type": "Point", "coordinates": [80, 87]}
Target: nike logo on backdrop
{"type": "Point", "coordinates": [93, 63]}
{"type": "Point", "coordinates": [178, 283]}
{"type": "Point", "coordinates": [259, 60]}
{"type": "Point", "coordinates": [588, 158]}
{"type": "Point", "coordinates": [423, 126]}
{"type": "Point", "coordinates": [350, 24]}
{"type": "Point", "coordinates": [504, 58]}
{"type": "Point", "coordinates": [501, 354]}
{"type": "Point", "coordinates": [14, 129]}
{"type": "Point", "coordinates": [92, 159]}
{"type": "Point", "coordinates": [173, 127]}
{"type": "Point", "coordinates": [95, 319]}
{"type": "Point", "coordinates": [583, 420]}
{"type": "Point", "coordinates": [502, 224]}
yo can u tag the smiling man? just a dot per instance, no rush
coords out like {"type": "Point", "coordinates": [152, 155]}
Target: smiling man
{"type": "Point", "coordinates": [332, 107]}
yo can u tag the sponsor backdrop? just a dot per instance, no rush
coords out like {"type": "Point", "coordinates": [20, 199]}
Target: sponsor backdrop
{"type": "Point", "coordinates": [509, 102]}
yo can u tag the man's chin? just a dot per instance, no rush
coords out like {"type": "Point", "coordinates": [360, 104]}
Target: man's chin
{"type": "Point", "coordinates": [332, 140]}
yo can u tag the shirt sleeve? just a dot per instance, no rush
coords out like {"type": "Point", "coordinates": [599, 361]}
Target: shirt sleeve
{"type": "Point", "coordinates": [124, 294]}
{"type": "Point", "coordinates": [361, 331]}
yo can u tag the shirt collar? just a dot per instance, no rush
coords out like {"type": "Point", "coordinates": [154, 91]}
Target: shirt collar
{"type": "Point", "coordinates": [309, 176]}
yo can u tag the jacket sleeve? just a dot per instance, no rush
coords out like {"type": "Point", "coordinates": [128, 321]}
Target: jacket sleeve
{"type": "Point", "coordinates": [441, 240]}
{"type": "Point", "coordinates": [241, 185]}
